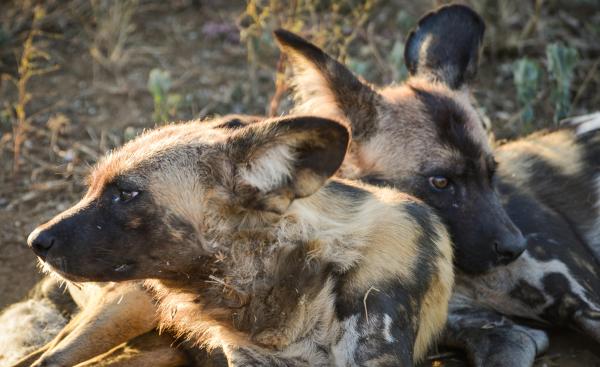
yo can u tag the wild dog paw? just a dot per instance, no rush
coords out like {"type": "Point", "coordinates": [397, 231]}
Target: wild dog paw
{"type": "Point", "coordinates": [515, 346]}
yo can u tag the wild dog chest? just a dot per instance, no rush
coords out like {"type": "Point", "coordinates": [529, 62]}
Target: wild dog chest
{"type": "Point", "coordinates": [265, 291]}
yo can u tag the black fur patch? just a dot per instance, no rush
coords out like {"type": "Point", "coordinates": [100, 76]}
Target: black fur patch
{"type": "Point", "coordinates": [450, 121]}
{"type": "Point", "coordinates": [237, 121]}
{"type": "Point", "coordinates": [453, 35]}
{"type": "Point", "coordinates": [528, 294]}
{"type": "Point", "coordinates": [590, 142]}
{"type": "Point", "coordinates": [377, 180]}
{"type": "Point", "coordinates": [566, 304]}
{"type": "Point", "coordinates": [428, 251]}
{"type": "Point", "coordinates": [388, 299]}
{"type": "Point", "coordinates": [356, 193]}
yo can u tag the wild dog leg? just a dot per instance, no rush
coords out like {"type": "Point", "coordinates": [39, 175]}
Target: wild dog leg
{"type": "Point", "coordinates": [54, 291]}
{"type": "Point", "coordinates": [492, 340]}
{"type": "Point", "coordinates": [149, 349]}
{"type": "Point", "coordinates": [31, 357]}
{"type": "Point", "coordinates": [589, 322]}
{"type": "Point", "coordinates": [112, 315]}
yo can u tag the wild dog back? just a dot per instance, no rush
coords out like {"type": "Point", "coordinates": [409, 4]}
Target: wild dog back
{"type": "Point", "coordinates": [248, 246]}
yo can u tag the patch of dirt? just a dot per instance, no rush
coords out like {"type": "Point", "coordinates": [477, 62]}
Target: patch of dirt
{"type": "Point", "coordinates": [98, 98]}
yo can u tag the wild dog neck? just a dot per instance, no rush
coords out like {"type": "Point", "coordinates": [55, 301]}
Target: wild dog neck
{"type": "Point", "coordinates": [320, 223]}
{"type": "Point", "coordinates": [267, 272]}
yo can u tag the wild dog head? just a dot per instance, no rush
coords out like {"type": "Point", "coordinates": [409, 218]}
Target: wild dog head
{"type": "Point", "coordinates": [156, 207]}
{"type": "Point", "coordinates": [423, 136]}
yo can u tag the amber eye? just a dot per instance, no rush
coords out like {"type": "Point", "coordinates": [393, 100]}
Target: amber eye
{"type": "Point", "coordinates": [439, 182]}
{"type": "Point", "coordinates": [124, 196]}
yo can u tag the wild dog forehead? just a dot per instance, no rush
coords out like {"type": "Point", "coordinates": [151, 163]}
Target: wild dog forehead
{"type": "Point", "coordinates": [440, 121]}
{"type": "Point", "coordinates": [165, 144]}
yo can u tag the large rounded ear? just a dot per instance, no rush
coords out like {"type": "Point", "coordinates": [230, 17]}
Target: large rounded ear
{"type": "Point", "coordinates": [280, 160]}
{"type": "Point", "coordinates": [324, 86]}
{"type": "Point", "coordinates": [445, 46]}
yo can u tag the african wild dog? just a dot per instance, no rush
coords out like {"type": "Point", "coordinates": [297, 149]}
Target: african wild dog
{"type": "Point", "coordinates": [431, 123]}
{"type": "Point", "coordinates": [104, 315]}
{"type": "Point", "coordinates": [424, 137]}
{"type": "Point", "coordinates": [249, 247]}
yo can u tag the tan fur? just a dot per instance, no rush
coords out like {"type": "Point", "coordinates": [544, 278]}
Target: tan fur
{"type": "Point", "coordinates": [400, 116]}
{"type": "Point", "coordinates": [146, 350]}
{"type": "Point", "coordinates": [111, 314]}
{"type": "Point", "coordinates": [557, 148]}
{"type": "Point", "coordinates": [369, 241]}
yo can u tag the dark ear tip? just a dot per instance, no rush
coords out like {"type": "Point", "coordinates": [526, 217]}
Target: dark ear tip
{"type": "Point", "coordinates": [341, 132]}
{"type": "Point", "coordinates": [287, 38]}
{"type": "Point", "coordinates": [281, 34]}
{"type": "Point", "coordinates": [455, 13]}
{"type": "Point", "coordinates": [291, 42]}
{"type": "Point", "coordinates": [457, 35]}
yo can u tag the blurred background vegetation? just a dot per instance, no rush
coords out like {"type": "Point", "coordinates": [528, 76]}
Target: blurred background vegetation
{"type": "Point", "coordinates": [79, 77]}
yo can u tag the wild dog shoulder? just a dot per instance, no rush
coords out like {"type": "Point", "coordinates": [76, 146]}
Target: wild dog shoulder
{"type": "Point", "coordinates": [403, 277]}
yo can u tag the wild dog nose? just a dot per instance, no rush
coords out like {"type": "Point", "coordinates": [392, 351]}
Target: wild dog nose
{"type": "Point", "coordinates": [509, 250]}
{"type": "Point", "coordinates": [41, 241]}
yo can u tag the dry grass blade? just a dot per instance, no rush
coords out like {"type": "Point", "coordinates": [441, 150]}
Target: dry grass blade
{"type": "Point", "coordinates": [28, 67]}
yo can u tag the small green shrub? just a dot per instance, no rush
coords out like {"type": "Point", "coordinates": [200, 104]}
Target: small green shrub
{"type": "Point", "coordinates": [561, 66]}
{"type": "Point", "coordinates": [527, 77]}
{"type": "Point", "coordinates": [166, 104]}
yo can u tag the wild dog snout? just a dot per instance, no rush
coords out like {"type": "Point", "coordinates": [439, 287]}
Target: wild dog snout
{"type": "Point", "coordinates": [40, 241]}
{"type": "Point", "coordinates": [510, 247]}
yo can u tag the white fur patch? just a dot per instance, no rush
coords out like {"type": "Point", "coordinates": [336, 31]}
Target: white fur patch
{"type": "Point", "coordinates": [387, 329]}
{"type": "Point", "coordinates": [492, 290]}
{"type": "Point", "coordinates": [585, 124]}
{"type": "Point", "coordinates": [26, 326]}
{"type": "Point", "coordinates": [343, 351]}
{"type": "Point", "coordinates": [270, 170]}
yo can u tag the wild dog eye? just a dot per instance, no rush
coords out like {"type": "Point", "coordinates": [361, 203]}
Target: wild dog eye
{"type": "Point", "coordinates": [124, 196]}
{"type": "Point", "coordinates": [439, 182]}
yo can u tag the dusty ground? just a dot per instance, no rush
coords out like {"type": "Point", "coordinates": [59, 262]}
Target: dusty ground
{"type": "Point", "coordinates": [104, 51]}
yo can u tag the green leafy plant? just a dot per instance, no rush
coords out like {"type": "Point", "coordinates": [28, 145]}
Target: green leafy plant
{"type": "Point", "coordinates": [561, 66]}
{"type": "Point", "coordinates": [166, 104]}
{"type": "Point", "coordinates": [396, 60]}
{"type": "Point", "coordinates": [527, 77]}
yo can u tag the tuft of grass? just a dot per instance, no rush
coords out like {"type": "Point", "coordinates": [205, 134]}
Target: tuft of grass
{"type": "Point", "coordinates": [166, 104]}
{"type": "Point", "coordinates": [31, 63]}
{"type": "Point", "coordinates": [561, 63]}
{"type": "Point", "coordinates": [112, 32]}
{"type": "Point", "coordinates": [333, 25]}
